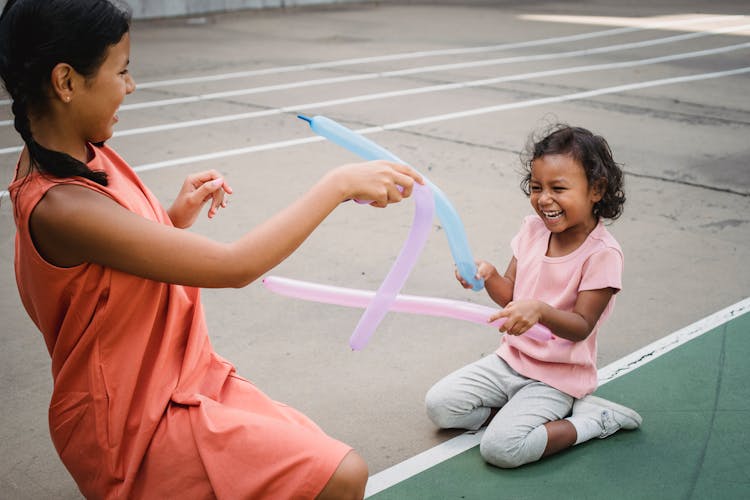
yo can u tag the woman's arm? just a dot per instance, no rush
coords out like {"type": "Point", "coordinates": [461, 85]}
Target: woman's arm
{"type": "Point", "coordinates": [73, 224]}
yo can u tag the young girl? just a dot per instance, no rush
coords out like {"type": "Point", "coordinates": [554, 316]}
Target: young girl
{"type": "Point", "coordinates": [565, 271]}
{"type": "Point", "coordinates": [142, 406]}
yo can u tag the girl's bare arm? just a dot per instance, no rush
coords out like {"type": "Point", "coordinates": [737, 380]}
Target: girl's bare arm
{"type": "Point", "coordinates": [573, 325]}
{"type": "Point", "coordinates": [499, 288]}
{"type": "Point", "coordinates": [73, 224]}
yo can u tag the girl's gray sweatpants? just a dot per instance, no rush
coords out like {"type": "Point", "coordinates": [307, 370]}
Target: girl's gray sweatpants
{"type": "Point", "coordinates": [516, 435]}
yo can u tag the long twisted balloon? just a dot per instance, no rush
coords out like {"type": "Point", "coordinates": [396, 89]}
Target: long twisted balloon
{"type": "Point", "coordinates": [449, 219]}
{"type": "Point", "coordinates": [428, 200]}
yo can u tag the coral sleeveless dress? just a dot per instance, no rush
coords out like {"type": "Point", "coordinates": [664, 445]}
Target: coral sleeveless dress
{"type": "Point", "coordinates": [142, 406]}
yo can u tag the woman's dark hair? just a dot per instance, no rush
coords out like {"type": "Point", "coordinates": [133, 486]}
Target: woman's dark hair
{"type": "Point", "coordinates": [592, 152]}
{"type": "Point", "coordinates": [36, 35]}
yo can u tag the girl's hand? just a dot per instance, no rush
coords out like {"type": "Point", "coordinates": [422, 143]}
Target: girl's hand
{"type": "Point", "coordinates": [196, 191]}
{"type": "Point", "coordinates": [377, 181]}
{"type": "Point", "coordinates": [485, 271]}
{"type": "Point", "coordinates": [519, 316]}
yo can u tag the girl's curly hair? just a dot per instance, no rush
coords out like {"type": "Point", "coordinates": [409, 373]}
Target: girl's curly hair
{"type": "Point", "coordinates": [590, 151]}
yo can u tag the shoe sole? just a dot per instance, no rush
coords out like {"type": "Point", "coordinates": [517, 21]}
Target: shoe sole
{"type": "Point", "coordinates": [632, 419]}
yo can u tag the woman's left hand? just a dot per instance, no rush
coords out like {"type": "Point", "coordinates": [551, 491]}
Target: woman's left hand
{"type": "Point", "coordinates": [195, 192]}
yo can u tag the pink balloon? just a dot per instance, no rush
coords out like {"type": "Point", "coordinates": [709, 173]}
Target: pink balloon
{"type": "Point", "coordinates": [430, 306]}
{"type": "Point", "coordinates": [428, 199]}
{"type": "Point", "coordinates": [377, 308]}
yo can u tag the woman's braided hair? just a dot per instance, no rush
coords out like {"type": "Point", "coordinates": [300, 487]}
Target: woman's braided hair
{"type": "Point", "coordinates": [36, 35]}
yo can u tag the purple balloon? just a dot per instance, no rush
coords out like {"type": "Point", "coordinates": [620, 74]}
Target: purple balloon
{"type": "Point", "coordinates": [414, 304]}
{"type": "Point", "coordinates": [424, 210]}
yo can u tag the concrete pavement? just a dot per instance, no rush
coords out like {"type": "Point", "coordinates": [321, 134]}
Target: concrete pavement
{"type": "Point", "coordinates": [679, 128]}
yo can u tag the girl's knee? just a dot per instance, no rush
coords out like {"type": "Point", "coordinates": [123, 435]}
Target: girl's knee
{"type": "Point", "coordinates": [435, 408]}
{"type": "Point", "coordinates": [500, 456]}
{"type": "Point", "coordinates": [349, 480]}
{"type": "Point", "coordinates": [507, 450]}
{"type": "Point", "coordinates": [454, 414]}
{"type": "Point", "coordinates": [442, 411]}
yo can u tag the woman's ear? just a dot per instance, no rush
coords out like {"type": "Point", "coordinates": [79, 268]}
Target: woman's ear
{"type": "Point", "coordinates": [62, 81]}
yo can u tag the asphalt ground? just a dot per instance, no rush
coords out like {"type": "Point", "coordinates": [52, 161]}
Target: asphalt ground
{"type": "Point", "coordinates": [665, 82]}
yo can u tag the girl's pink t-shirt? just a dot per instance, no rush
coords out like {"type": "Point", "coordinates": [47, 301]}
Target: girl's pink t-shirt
{"type": "Point", "coordinates": [596, 264]}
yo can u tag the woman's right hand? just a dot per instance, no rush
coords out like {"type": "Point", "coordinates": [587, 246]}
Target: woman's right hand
{"type": "Point", "coordinates": [376, 181]}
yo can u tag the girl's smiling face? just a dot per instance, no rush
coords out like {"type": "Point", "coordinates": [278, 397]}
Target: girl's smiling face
{"type": "Point", "coordinates": [100, 97]}
{"type": "Point", "coordinates": [561, 195]}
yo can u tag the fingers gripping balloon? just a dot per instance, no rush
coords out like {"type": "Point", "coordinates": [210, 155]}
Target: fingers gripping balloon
{"type": "Point", "coordinates": [429, 199]}
{"type": "Point", "coordinates": [394, 281]}
{"type": "Point", "coordinates": [420, 229]}
{"type": "Point", "coordinates": [449, 219]}
{"type": "Point", "coordinates": [430, 306]}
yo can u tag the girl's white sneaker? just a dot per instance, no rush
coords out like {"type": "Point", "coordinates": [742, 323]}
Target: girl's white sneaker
{"type": "Point", "coordinates": [611, 416]}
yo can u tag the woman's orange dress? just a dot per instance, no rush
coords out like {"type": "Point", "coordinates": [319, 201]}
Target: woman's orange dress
{"type": "Point", "coordinates": [142, 406]}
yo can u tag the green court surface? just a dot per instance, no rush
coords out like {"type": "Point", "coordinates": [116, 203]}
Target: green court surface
{"type": "Point", "coordinates": [694, 442]}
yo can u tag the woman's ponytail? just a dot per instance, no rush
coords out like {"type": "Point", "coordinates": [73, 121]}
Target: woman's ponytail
{"type": "Point", "coordinates": [36, 35]}
{"type": "Point", "coordinates": [49, 161]}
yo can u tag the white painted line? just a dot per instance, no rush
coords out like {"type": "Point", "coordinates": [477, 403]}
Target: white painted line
{"type": "Point", "coordinates": [427, 89]}
{"type": "Point", "coordinates": [419, 90]}
{"type": "Point", "coordinates": [563, 98]}
{"type": "Point", "coordinates": [438, 118]}
{"type": "Point", "coordinates": [664, 345]}
{"type": "Point", "coordinates": [665, 22]}
{"type": "Point", "coordinates": [451, 116]}
{"type": "Point", "coordinates": [603, 20]}
{"type": "Point", "coordinates": [413, 91]}
{"type": "Point", "coordinates": [571, 53]}
{"type": "Point", "coordinates": [427, 459]}
{"type": "Point", "coordinates": [428, 69]}
{"type": "Point", "coordinates": [421, 462]}
{"type": "Point", "coordinates": [662, 23]}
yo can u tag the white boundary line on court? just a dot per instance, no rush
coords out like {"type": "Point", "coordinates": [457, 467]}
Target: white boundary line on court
{"type": "Point", "coordinates": [438, 118]}
{"type": "Point", "coordinates": [530, 43]}
{"type": "Point", "coordinates": [449, 449]}
{"type": "Point", "coordinates": [450, 116]}
{"type": "Point", "coordinates": [641, 26]}
{"type": "Point", "coordinates": [428, 69]}
{"type": "Point", "coordinates": [439, 52]}
{"type": "Point", "coordinates": [296, 108]}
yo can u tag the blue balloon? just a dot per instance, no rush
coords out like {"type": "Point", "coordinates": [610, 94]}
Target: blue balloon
{"type": "Point", "coordinates": [451, 222]}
